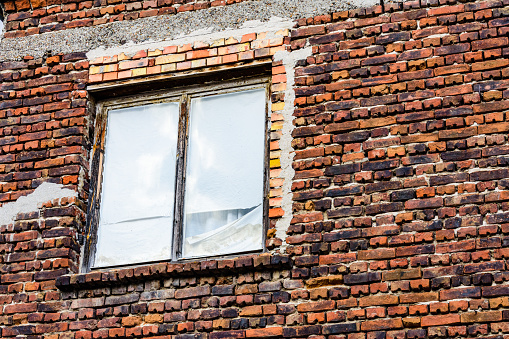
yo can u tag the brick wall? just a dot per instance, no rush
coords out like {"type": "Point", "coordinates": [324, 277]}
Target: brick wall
{"type": "Point", "coordinates": [400, 193]}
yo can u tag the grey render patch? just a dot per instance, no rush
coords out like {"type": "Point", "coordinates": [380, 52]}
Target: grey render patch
{"type": "Point", "coordinates": [271, 27]}
{"type": "Point", "coordinates": [289, 60]}
{"type": "Point", "coordinates": [32, 202]}
{"type": "Point", "coordinates": [169, 27]}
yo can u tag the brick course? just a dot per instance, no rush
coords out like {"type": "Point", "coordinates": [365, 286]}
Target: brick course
{"type": "Point", "coordinates": [400, 194]}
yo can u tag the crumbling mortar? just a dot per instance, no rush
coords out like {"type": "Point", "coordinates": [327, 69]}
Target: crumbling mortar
{"type": "Point", "coordinates": [289, 60]}
{"type": "Point", "coordinates": [171, 27]}
{"type": "Point", "coordinates": [205, 35]}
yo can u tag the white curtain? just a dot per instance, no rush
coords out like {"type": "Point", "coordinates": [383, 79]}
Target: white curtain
{"type": "Point", "coordinates": [242, 234]}
{"type": "Point", "coordinates": [224, 181]}
{"type": "Point", "coordinates": [136, 214]}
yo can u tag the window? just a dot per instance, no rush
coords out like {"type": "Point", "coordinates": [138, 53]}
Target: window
{"type": "Point", "coordinates": [181, 175]}
{"type": "Point", "coordinates": [1, 24]}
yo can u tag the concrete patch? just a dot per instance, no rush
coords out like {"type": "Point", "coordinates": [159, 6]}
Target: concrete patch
{"type": "Point", "coordinates": [206, 35]}
{"type": "Point", "coordinates": [170, 27]}
{"type": "Point", "coordinates": [30, 203]}
{"type": "Point", "coordinates": [285, 143]}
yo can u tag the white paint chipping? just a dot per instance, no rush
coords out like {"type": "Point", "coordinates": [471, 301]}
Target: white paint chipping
{"type": "Point", "coordinates": [289, 60]}
{"type": "Point", "coordinates": [32, 202]}
{"type": "Point", "coordinates": [207, 35]}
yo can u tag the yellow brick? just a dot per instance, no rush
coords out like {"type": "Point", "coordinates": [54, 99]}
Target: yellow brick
{"type": "Point", "coordinates": [94, 70]}
{"type": "Point", "coordinates": [275, 126]}
{"type": "Point", "coordinates": [232, 49]}
{"type": "Point", "coordinates": [217, 43]}
{"type": "Point", "coordinates": [278, 106]}
{"type": "Point", "coordinates": [110, 68]}
{"type": "Point", "coordinates": [139, 71]}
{"type": "Point", "coordinates": [166, 59]}
{"type": "Point", "coordinates": [198, 63]}
{"type": "Point", "coordinates": [184, 48]}
{"type": "Point", "coordinates": [168, 67]}
{"type": "Point", "coordinates": [154, 53]}
{"type": "Point", "coordinates": [275, 163]}
{"type": "Point", "coordinates": [122, 56]}
{"type": "Point", "coordinates": [244, 47]}
{"type": "Point", "coordinates": [271, 233]}
{"type": "Point", "coordinates": [231, 41]}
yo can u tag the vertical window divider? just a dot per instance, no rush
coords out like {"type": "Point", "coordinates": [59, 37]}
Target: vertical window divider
{"type": "Point", "coordinates": [266, 172]}
{"type": "Point", "coordinates": [178, 222]}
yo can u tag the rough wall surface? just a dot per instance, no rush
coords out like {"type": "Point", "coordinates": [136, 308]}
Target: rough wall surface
{"type": "Point", "coordinates": [389, 210]}
{"type": "Point", "coordinates": [30, 17]}
{"type": "Point", "coordinates": [115, 30]}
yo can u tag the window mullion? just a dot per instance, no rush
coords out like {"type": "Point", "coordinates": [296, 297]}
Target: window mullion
{"type": "Point", "coordinates": [181, 174]}
{"type": "Point", "coordinates": [266, 172]}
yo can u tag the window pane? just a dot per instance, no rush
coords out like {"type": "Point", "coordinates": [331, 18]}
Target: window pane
{"type": "Point", "coordinates": [137, 200]}
{"type": "Point", "coordinates": [224, 182]}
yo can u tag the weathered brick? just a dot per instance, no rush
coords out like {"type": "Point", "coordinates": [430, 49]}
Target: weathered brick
{"type": "Point", "coordinates": [399, 155]}
{"type": "Point", "coordinates": [439, 320]}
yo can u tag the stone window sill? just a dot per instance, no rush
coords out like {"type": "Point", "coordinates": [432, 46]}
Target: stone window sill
{"type": "Point", "coordinates": [165, 270]}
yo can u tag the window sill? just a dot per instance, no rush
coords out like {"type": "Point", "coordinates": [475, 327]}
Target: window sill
{"type": "Point", "coordinates": [162, 270]}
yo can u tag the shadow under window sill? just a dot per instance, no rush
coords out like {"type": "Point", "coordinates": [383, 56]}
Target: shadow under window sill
{"type": "Point", "coordinates": [119, 276]}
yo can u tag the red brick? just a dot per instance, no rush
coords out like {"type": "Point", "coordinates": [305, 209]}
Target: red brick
{"type": "Point", "coordinates": [440, 320]}
{"type": "Point", "coordinates": [489, 43]}
{"type": "Point", "coordinates": [264, 332]}
{"type": "Point", "coordinates": [378, 325]}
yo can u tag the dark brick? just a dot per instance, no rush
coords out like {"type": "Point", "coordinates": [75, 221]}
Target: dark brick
{"type": "Point", "coordinates": [343, 169]}
{"type": "Point", "coordinates": [340, 328]}
{"type": "Point", "coordinates": [362, 278]}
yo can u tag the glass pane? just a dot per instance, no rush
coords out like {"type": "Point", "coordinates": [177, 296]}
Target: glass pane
{"type": "Point", "coordinates": [138, 188]}
{"type": "Point", "coordinates": [224, 182]}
